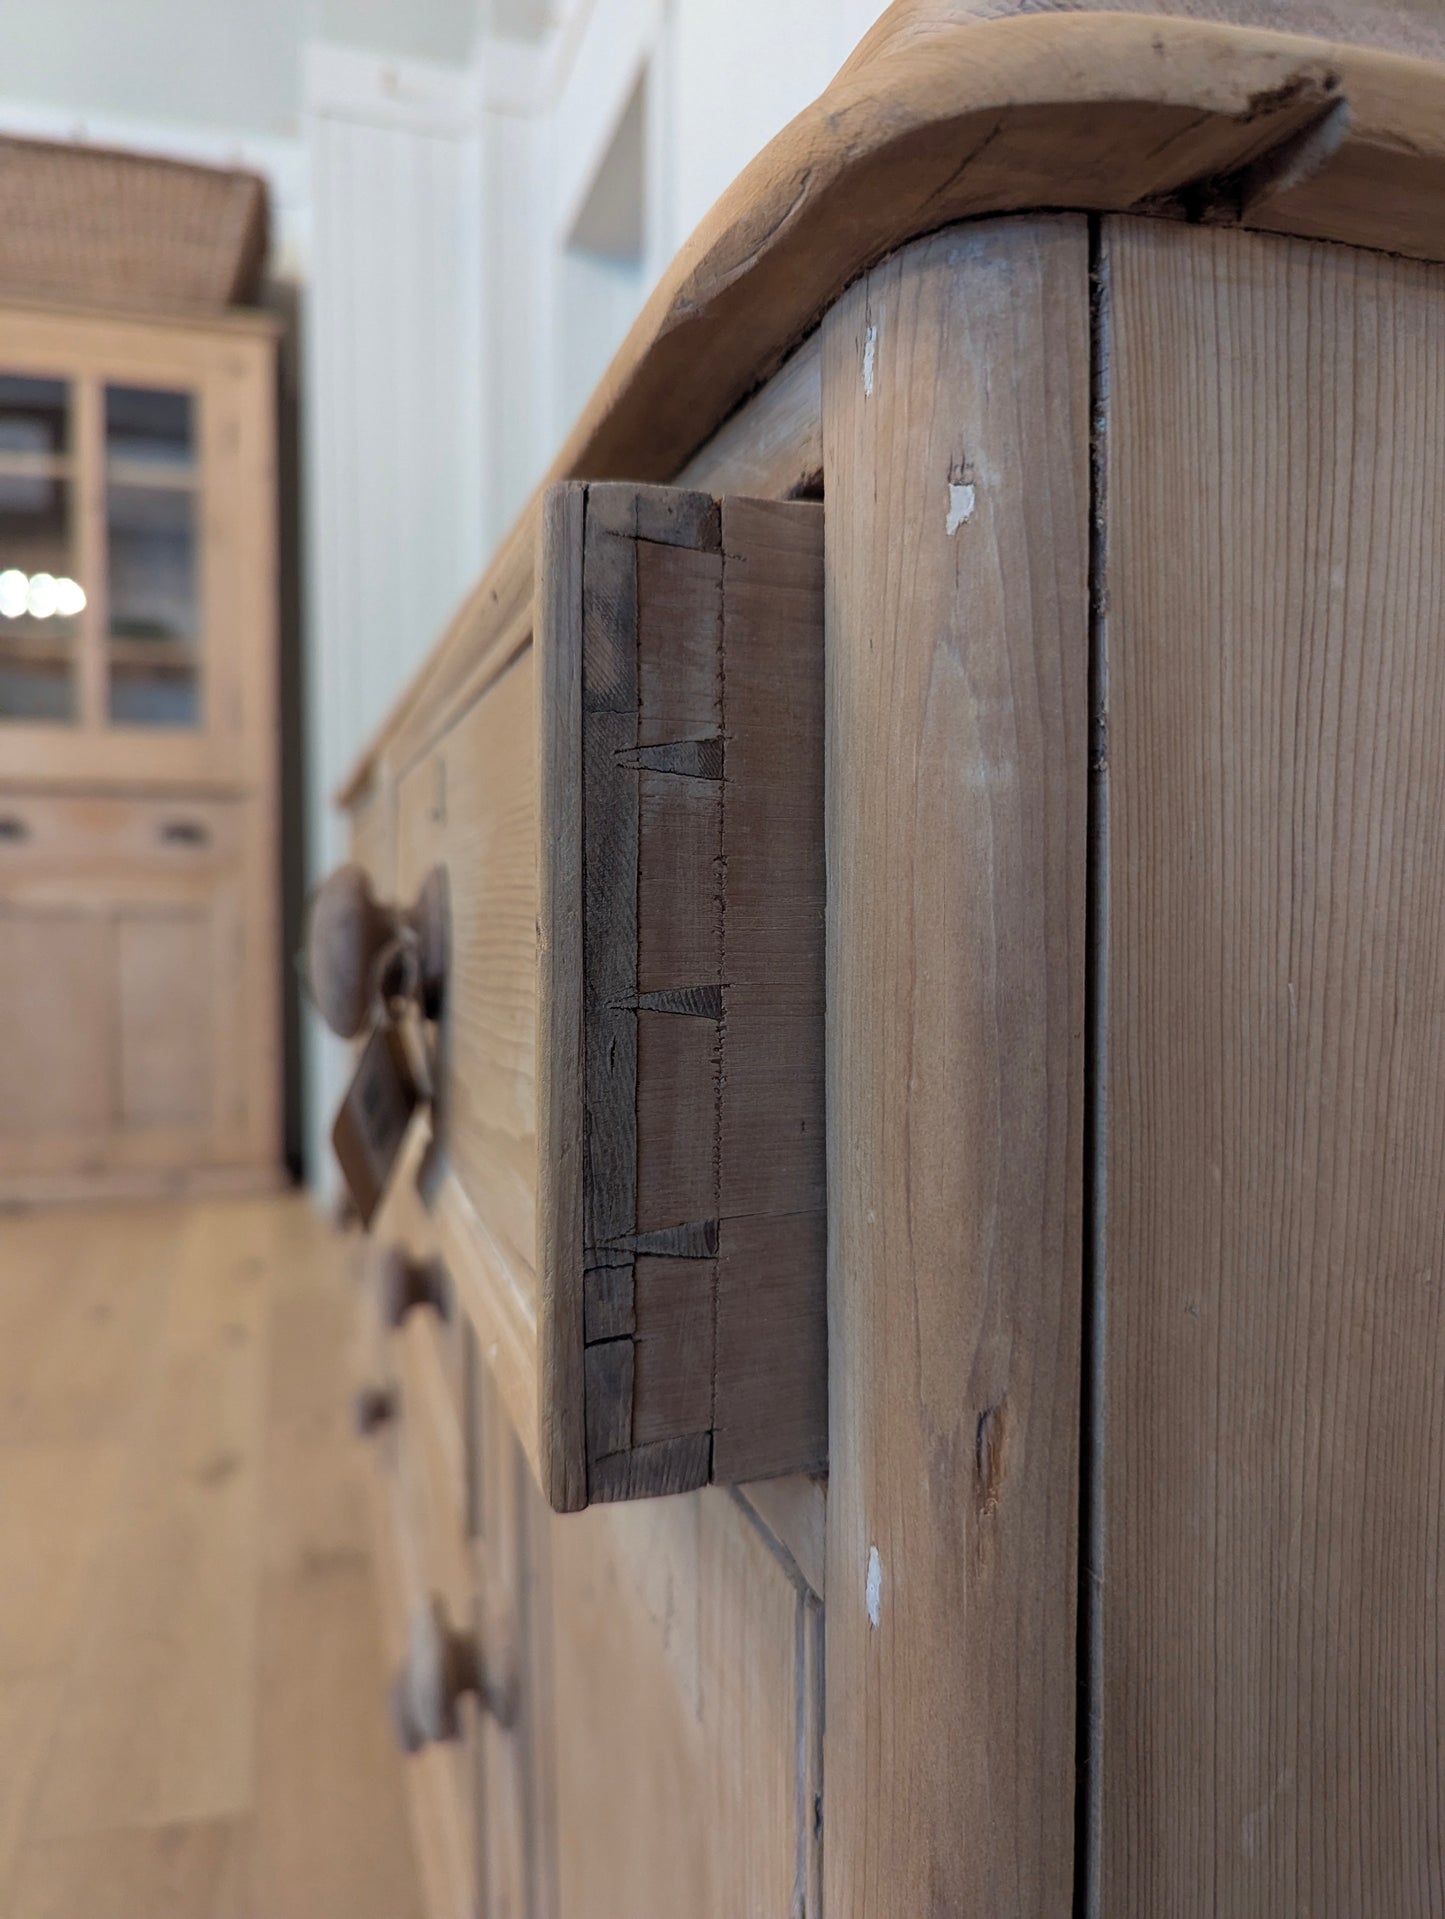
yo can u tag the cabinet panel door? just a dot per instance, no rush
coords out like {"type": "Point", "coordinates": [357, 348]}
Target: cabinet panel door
{"type": "Point", "coordinates": [1273, 1438]}
{"type": "Point", "coordinates": [166, 1016]}
{"type": "Point", "coordinates": [55, 1058]}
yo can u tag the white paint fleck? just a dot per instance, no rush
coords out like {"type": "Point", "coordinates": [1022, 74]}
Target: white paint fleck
{"type": "Point", "coordinates": [870, 347]}
{"type": "Point", "coordinates": [962, 499]}
{"type": "Point", "coordinates": [873, 1588]}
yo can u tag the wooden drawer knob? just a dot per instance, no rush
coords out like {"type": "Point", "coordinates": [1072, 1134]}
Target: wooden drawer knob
{"type": "Point", "coordinates": [359, 950]}
{"type": "Point", "coordinates": [374, 1407]}
{"type": "Point", "coordinates": [408, 1283]}
{"type": "Point", "coordinates": [443, 1665]}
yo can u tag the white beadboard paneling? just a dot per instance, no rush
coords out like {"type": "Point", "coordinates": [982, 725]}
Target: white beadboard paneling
{"type": "Point", "coordinates": [394, 428]}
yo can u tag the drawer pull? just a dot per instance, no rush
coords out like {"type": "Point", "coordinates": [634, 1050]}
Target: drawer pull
{"type": "Point", "coordinates": [13, 828]}
{"type": "Point", "coordinates": [359, 951]}
{"type": "Point", "coordinates": [374, 1407]}
{"type": "Point", "coordinates": [408, 1284]}
{"type": "Point", "coordinates": [184, 833]}
{"type": "Point", "coordinates": [442, 1666]}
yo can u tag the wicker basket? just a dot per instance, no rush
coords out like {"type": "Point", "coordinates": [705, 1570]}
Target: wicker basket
{"type": "Point", "coordinates": [127, 229]}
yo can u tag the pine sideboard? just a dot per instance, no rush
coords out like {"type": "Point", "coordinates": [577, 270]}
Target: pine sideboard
{"type": "Point", "coordinates": [905, 1345]}
{"type": "Point", "coordinates": [140, 971]}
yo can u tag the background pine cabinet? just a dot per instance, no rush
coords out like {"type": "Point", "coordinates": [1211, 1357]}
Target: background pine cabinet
{"type": "Point", "coordinates": [138, 945]}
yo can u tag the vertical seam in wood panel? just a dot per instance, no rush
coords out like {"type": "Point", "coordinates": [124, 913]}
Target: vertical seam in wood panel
{"type": "Point", "coordinates": [722, 951]}
{"type": "Point", "coordinates": [1089, 1723]}
{"type": "Point", "coordinates": [813, 1804]}
{"type": "Point", "coordinates": [635, 977]}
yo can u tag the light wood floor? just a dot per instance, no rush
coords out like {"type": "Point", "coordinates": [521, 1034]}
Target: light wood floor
{"type": "Point", "coordinates": [192, 1713]}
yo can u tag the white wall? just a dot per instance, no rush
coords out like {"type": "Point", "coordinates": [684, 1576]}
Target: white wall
{"type": "Point", "coordinates": [234, 65]}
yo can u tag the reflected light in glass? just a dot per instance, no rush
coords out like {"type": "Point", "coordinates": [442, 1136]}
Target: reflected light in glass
{"type": "Point", "coordinates": [41, 595]}
{"type": "Point", "coordinates": [40, 600]}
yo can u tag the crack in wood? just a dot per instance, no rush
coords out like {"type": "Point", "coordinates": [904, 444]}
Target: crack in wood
{"type": "Point", "coordinates": [695, 1239]}
{"type": "Point", "coordinates": [696, 1002]}
{"type": "Point", "coordinates": [691, 759]}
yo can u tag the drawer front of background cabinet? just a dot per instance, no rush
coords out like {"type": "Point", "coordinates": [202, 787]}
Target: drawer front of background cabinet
{"type": "Point", "coordinates": [44, 833]}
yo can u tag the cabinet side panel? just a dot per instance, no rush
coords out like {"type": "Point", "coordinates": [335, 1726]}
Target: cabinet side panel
{"type": "Point", "coordinates": [956, 432]}
{"type": "Point", "coordinates": [1275, 1437]}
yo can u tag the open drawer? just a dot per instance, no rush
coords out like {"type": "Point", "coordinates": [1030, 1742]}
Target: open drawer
{"type": "Point", "coordinates": [627, 1177]}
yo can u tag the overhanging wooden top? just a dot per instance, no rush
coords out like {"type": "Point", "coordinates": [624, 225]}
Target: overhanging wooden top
{"type": "Point", "coordinates": [941, 116]}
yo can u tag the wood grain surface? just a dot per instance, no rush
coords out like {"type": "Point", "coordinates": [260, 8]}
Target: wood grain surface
{"type": "Point", "coordinates": [687, 1649]}
{"type": "Point", "coordinates": [1414, 27]}
{"type": "Point", "coordinates": [956, 432]}
{"type": "Point", "coordinates": [1274, 1601]}
{"type": "Point", "coordinates": [191, 1673]}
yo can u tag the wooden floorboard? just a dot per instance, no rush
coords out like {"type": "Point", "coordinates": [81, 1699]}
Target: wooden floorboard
{"type": "Point", "coordinates": [192, 1679]}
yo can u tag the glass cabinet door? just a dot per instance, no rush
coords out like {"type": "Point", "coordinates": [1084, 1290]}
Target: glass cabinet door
{"type": "Point", "coordinates": [152, 504]}
{"type": "Point", "coordinates": [42, 596]}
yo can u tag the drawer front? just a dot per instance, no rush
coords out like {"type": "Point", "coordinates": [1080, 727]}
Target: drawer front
{"type": "Point", "coordinates": [451, 1475]}
{"type": "Point", "coordinates": [405, 1231]}
{"type": "Point", "coordinates": [516, 1788]}
{"type": "Point", "coordinates": [470, 805]}
{"type": "Point", "coordinates": [415, 1351]}
{"type": "Point", "coordinates": [435, 1777]}
{"type": "Point", "coordinates": [44, 833]}
{"type": "Point", "coordinates": [419, 1519]}
{"type": "Point", "coordinates": [429, 1470]}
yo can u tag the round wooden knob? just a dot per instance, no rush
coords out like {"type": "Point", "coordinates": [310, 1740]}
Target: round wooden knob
{"type": "Point", "coordinates": [359, 950]}
{"type": "Point", "coordinates": [441, 1667]}
{"type": "Point", "coordinates": [374, 1407]}
{"type": "Point", "coordinates": [408, 1283]}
